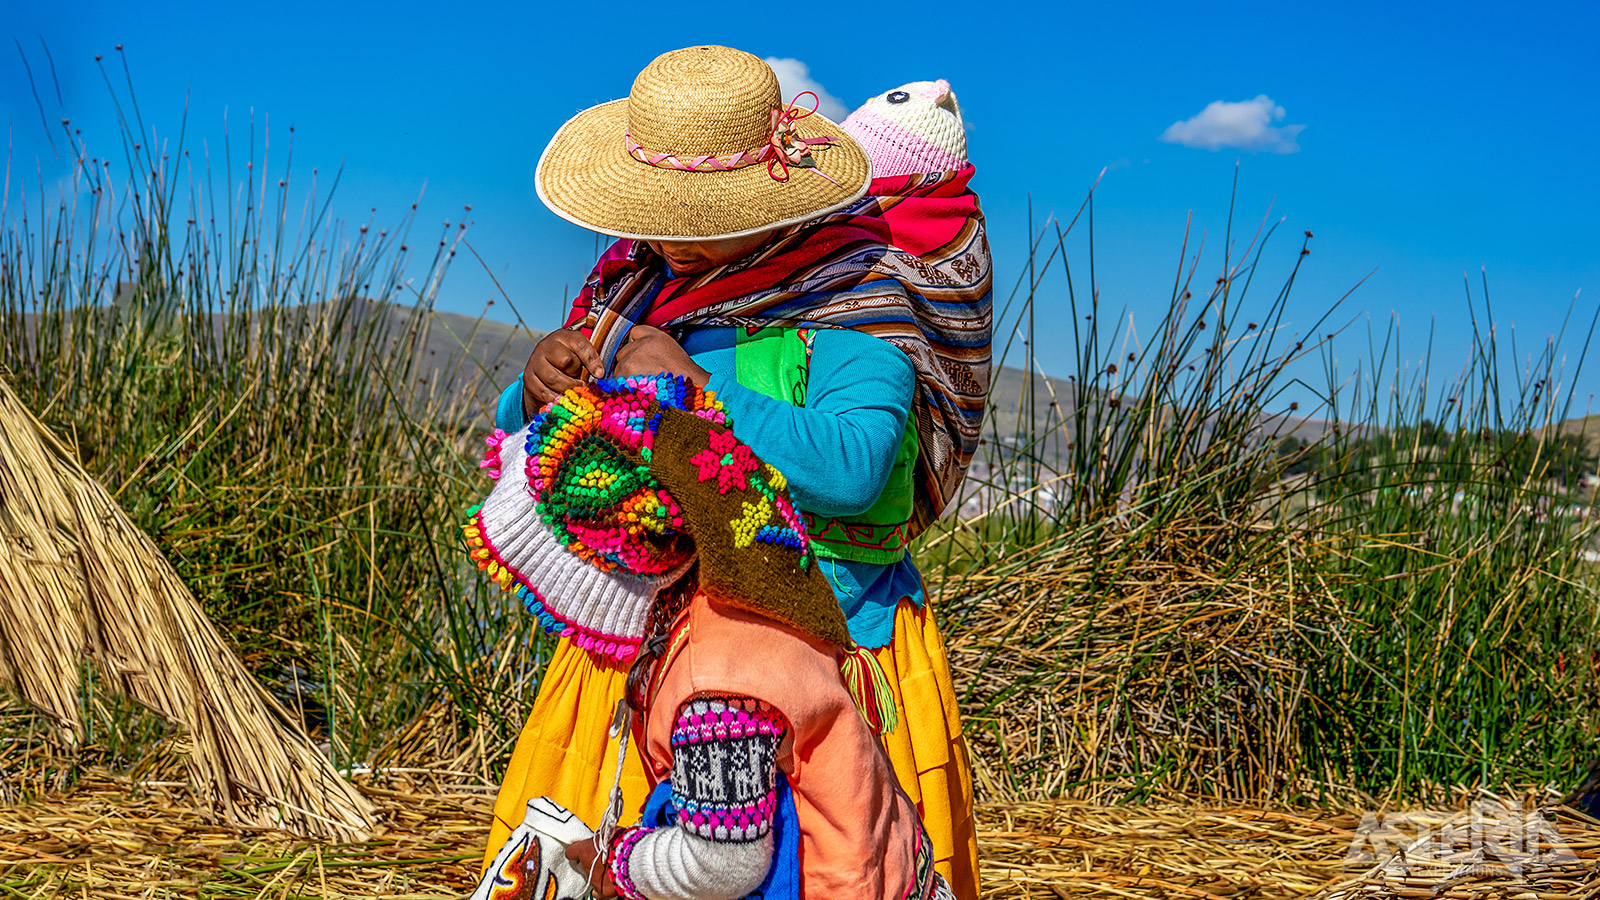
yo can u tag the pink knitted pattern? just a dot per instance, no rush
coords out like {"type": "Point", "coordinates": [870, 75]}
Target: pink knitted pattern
{"type": "Point", "coordinates": [621, 850]}
{"type": "Point", "coordinates": [895, 151]}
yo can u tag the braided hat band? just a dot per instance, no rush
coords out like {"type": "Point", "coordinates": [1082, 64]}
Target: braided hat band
{"type": "Point", "coordinates": [783, 146]}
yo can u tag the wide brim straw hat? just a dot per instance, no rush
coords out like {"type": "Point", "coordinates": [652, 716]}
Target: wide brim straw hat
{"type": "Point", "coordinates": [703, 148]}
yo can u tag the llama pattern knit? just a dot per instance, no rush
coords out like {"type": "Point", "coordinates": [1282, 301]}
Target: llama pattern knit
{"type": "Point", "coordinates": [724, 767]}
{"type": "Point", "coordinates": [724, 787]}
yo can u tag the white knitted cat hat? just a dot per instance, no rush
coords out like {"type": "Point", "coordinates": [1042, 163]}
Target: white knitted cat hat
{"type": "Point", "coordinates": [915, 128]}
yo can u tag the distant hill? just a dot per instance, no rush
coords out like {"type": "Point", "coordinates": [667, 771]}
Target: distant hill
{"type": "Point", "coordinates": [460, 353]}
{"type": "Point", "coordinates": [503, 349]}
{"type": "Point", "coordinates": [480, 356]}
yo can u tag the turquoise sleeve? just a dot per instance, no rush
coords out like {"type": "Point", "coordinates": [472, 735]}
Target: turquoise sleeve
{"type": "Point", "coordinates": [838, 449]}
{"type": "Point", "coordinates": [508, 417]}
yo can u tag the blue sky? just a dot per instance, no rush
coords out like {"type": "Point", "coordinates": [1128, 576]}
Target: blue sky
{"type": "Point", "coordinates": [1436, 138]}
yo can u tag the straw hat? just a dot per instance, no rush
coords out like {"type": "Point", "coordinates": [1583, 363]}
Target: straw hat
{"type": "Point", "coordinates": [703, 148]}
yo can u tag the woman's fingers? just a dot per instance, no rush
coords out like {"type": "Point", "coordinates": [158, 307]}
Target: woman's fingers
{"type": "Point", "coordinates": [548, 381]}
{"type": "Point", "coordinates": [573, 353]}
{"type": "Point", "coordinates": [558, 363]}
{"type": "Point", "coordinates": [587, 356]}
{"type": "Point", "coordinates": [586, 858]}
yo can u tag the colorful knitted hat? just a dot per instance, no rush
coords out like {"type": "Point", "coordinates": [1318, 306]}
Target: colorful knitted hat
{"type": "Point", "coordinates": [616, 488]}
{"type": "Point", "coordinates": [915, 128]}
{"type": "Point", "coordinates": [576, 524]}
{"type": "Point", "coordinates": [702, 148]}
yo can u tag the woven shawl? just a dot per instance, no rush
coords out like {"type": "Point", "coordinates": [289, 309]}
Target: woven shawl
{"type": "Point", "coordinates": [908, 264]}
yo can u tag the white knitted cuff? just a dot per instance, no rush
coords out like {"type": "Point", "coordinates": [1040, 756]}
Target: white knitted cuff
{"type": "Point", "coordinates": [672, 864]}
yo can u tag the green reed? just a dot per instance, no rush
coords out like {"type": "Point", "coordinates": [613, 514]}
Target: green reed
{"type": "Point", "coordinates": [1174, 586]}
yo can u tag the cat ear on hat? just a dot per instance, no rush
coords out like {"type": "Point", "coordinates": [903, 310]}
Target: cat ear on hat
{"type": "Point", "coordinates": [946, 98]}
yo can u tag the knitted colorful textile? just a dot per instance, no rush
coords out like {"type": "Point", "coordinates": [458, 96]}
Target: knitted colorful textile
{"type": "Point", "coordinates": [616, 488]}
{"type": "Point", "coordinates": [580, 529]}
{"type": "Point", "coordinates": [754, 554]}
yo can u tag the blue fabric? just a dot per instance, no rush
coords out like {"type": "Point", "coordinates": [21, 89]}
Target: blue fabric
{"type": "Point", "coordinates": [858, 395]}
{"type": "Point", "coordinates": [783, 876]}
{"type": "Point", "coordinates": [869, 593]}
{"type": "Point", "coordinates": [659, 810]}
{"type": "Point", "coordinates": [508, 415]}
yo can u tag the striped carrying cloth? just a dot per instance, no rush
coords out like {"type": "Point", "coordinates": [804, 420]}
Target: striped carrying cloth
{"type": "Point", "coordinates": [908, 264]}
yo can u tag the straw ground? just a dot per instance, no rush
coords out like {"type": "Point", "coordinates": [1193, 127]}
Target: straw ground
{"type": "Point", "coordinates": [111, 838]}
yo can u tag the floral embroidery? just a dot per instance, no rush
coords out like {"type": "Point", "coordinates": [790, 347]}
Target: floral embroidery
{"type": "Point", "coordinates": [735, 467]}
{"type": "Point", "coordinates": [728, 460]}
{"type": "Point", "coordinates": [748, 527]}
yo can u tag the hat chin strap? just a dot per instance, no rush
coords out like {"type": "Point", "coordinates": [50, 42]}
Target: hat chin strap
{"type": "Point", "coordinates": [784, 147]}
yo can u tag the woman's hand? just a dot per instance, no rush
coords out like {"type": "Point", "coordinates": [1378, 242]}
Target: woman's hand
{"type": "Point", "coordinates": [556, 365]}
{"type": "Point", "coordinates": [649, 351]}
{"type": "Point", "coordinates": [583, 855]}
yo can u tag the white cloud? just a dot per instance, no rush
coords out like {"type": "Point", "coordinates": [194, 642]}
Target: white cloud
{"type": "Point", "coordinates": [1246, 125]}
{"type": "Point", "coordinates": [794, 77]}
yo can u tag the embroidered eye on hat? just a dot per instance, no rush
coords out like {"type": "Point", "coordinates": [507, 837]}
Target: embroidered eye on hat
{"type": "Point", "coordinates": [914, 129]}
{"type": "Point", "coordinates": [702, 148]}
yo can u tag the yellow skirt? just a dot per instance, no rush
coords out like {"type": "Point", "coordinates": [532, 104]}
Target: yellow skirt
{"type": "Point", "coordinates": [928, 750]}
{"type": "Point", "coordinates": [564, 752]}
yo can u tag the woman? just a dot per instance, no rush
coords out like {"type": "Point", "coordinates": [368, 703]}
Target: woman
{"type": "Point", "coordinates": [753, 262]}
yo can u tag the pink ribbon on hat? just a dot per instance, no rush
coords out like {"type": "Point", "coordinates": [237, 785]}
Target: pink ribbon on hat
{"type": "Point", "coordinates": [784, 147]}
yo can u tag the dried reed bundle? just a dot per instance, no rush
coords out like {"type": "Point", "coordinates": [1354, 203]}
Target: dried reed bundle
{"type": "Point", "coordinates": [80, 580]}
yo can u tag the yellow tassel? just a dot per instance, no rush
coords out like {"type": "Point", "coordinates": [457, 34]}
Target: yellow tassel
{"type": "Point", "coordinates": [869, 688]}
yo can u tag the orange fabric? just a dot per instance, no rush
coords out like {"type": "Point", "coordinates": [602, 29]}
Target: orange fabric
{"type": "Point", "coordinates": [928, 750]}
{"type": "Point", "coordinates": [858, 829]}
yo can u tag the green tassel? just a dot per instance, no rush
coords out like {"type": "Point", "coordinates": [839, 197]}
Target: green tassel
{"type": "Point", "coordinates": [869, 688]}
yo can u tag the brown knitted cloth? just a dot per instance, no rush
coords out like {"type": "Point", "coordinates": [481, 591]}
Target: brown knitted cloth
{"type": "Point", "coordinates": [745, 528]}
